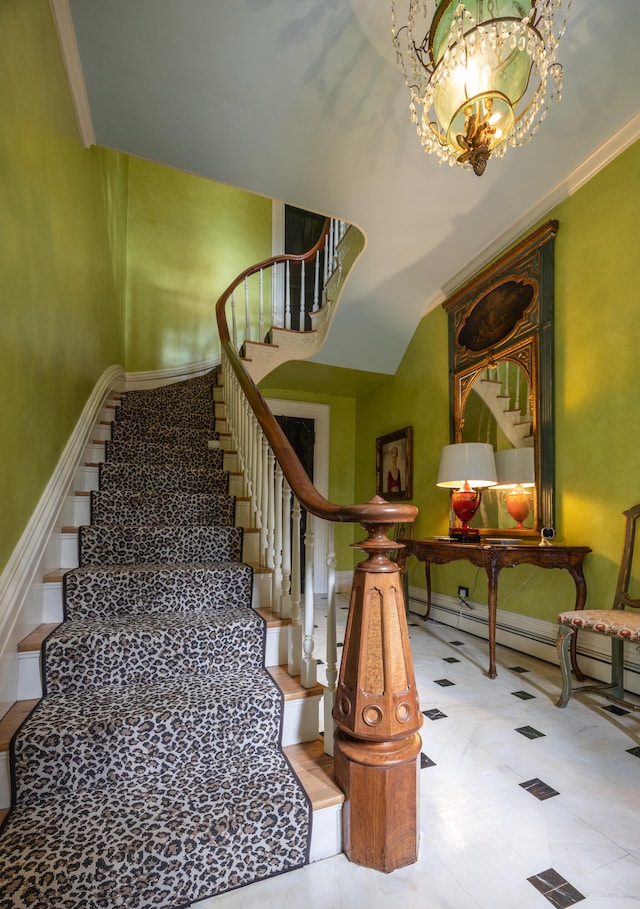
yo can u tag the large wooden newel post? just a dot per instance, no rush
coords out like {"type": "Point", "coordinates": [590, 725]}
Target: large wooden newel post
{"type": "Point", "coordinates": [377, 713]}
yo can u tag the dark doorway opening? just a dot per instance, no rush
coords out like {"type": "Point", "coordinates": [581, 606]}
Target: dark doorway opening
{"type": "Point", "coordinates": [302, 231]}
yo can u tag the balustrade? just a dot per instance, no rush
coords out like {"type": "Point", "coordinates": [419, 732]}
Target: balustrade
{"type": "Point", "coordinates": [371, 702]}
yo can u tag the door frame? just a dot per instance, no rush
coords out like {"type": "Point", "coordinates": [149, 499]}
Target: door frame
{"type": "Point", "coordinates": [320, 414]}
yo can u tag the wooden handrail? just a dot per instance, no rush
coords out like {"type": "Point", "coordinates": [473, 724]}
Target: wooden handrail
{"type": "Point", "coordinates": [377, 510]}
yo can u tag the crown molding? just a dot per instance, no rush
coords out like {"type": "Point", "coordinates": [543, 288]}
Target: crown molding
{"type": "Point", "coordinates": [71, 58]}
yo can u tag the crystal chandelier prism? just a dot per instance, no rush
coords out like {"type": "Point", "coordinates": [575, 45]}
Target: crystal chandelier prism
{"type": "Point", "coordinates": [481, 73]}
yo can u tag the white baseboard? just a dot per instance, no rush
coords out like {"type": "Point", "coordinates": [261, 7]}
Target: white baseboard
{"type": "Point", "coordinates": [20, 610]}
{"type": "Point", "coordinates": [527, 634]}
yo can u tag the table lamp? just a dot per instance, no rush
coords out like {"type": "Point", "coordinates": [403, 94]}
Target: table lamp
{"type": "Point", "coordinates": [516, 472]}
{"type": "Point", "coordinates": [466, 468]}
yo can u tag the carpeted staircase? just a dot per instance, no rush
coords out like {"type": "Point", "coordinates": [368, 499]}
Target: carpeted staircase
{"type": "Point", "coordinates": [151, 774]}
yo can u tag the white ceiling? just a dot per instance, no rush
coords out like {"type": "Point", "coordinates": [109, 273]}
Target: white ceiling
{"type": "Point", "coordinates": [302, 101]}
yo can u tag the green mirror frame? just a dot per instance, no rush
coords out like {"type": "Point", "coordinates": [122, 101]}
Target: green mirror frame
{"type": "Point", "coordinates": [505, 315]}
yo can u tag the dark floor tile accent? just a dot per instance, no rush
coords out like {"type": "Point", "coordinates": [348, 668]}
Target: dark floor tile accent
{"type": "Point", "coordinates": [320, 662]}
{"type": "Point", "coordinates": [518, 669]}
{"type": "Point", "coordinates": [559, 892]}
{"type": "Point", "coordinates": [443, 683]}
{"type": "Point", "coordinates": [530, 733]}
{"type": "Point", "coordinates": [340, 644]}
{"type": "Point", "coordinates": [434, 714]}
{"type": "Point", "coordinates": [345, 608]}
{"type": "Point", "coordinates": [426, 761]}
{"type": "Point", "coordinates": [457, 643]}
{"type": "Point", "coordinates": [451, 660]}
{"type": "Point", "coordinates": [412, 624]}
{"type": "Point", "coordinates": [634, 751]}
{"type": "Point", "coordinates": [613, 708]}
{"type": "Point", "coordinates": [523, 695]}
{"type": "Point", "coordinates": [539, 789]}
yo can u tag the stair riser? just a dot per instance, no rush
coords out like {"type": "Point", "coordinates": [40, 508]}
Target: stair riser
{"type": "Point", "coordinates": [178, 435]}
{"type": "Point", "coordinates": [151, 452]}
{"type": "Point", "coordinates": [134, 545]}
{"type": "Point", "coordinates": [111, 594]}
{"type": "Point", "coordinates": [163, 478]}
{"type": "Point", "coordinates": [52, 604]}
{"type": "Point", "coordinates": [29, 665]}
{"type": "Point", "coordinates": [117, 749]}
{"type": "Point", "coordinates": [117, 507]}
{"type": "Point", "coordinates": [130, 657]}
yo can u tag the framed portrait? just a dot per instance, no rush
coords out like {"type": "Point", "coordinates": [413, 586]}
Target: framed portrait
{"type": "Point", "coordinates": [393, 464]}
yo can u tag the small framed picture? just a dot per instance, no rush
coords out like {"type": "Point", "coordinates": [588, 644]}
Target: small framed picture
{"type": "Point", "coordinates": [393, 464]}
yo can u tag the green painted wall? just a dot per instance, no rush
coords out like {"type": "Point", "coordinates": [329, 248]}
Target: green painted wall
{"type": "Point", "coordinates": [342, 422]}
{"type": "Point", "coordinates": [597, 376]}
{"type": "Point", "coordinates": [188, 238]}
{"type": "Point", "coordinates": [62, 262]}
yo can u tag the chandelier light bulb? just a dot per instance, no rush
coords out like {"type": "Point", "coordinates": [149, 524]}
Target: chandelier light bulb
{"type": "Point", "coordinates": [483, 72]}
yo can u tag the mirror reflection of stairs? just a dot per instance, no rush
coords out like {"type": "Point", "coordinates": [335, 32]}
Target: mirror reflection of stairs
{"type": "Point", "coordinates": [151, 774]}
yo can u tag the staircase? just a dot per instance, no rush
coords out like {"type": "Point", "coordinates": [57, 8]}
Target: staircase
{"type": "Point", "coordinates": [157, 768]}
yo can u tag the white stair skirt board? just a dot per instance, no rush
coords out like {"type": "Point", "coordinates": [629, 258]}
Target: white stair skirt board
{"type": "Point", "coordinates": [326, 833]}
{"type": "Point", "coordinates": [527, 634]}
{"type": "Point", "coordinates": [31, 556]}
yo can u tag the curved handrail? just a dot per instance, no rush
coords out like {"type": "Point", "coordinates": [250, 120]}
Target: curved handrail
{"type": "Point", "coordinates": [377, 510]}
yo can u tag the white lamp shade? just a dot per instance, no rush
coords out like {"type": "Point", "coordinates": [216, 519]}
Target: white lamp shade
{"type": "Point", "coordinates": [470, 461]}
{"type": "Point", "coordinates": [515, 466]}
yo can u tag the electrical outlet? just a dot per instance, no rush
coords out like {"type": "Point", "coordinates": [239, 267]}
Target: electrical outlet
{"type": "Point", "coordinates": [463, 592]}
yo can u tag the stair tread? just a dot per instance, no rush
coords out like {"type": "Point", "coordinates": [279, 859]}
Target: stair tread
{"type": "Point", "coordinates": [13, 718]}
{"type": "Point", "coordinates": [290, 685]}
{"type": "Point", "coordinates": [315, 771]}
{"type": "Point", "coordinates": [34, 640]}
{"type": "Point", "coordinates": [272, 621]}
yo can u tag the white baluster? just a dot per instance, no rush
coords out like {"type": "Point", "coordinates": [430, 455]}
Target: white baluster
{"type": "Point", "coordinates": [264, 539]}
{"type": "Point", "coordinates": [332, 647]}
{"type": "Point", "coordinates": [261, 311]}
{"type": "Point", "coordinates": [326, 259]}
{"type": "Point", "coordinates": [287, 297]}
{"type": "Point", "coordinates": [295, 629]}
{"type": "Point", "coordinates": [285, 600]}
{"type": "Point", "coordinates": [302, 297]}
{"type": "Point", "coordinates": [308, 666]}
{"type": "Point", "coordinates": [274, 298]}
{"type": "Point", "coordinates": [247, 312]}
{"type": "Point", "coordinates": [270, 508]}
{"type": "Point", "coordinates": [276, 585]}
{"type": "Point", "coordinates": [316, 283]}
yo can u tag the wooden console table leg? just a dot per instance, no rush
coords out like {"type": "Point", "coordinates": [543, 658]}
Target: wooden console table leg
{"type": "Point", "coordinates": [427, 574]}
{"type": "Point", "coordinates": [492, 577]}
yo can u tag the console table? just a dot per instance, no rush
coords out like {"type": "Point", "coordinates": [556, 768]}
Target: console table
{"type": "Point", "coordinates": [493, 557]}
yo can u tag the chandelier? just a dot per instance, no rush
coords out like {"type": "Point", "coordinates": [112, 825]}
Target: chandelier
{"type": "Point", "coordinates": [481, 73]}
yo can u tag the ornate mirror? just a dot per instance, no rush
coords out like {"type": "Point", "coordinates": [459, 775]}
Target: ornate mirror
{"type": "Point", "coordinates": [501, 382]}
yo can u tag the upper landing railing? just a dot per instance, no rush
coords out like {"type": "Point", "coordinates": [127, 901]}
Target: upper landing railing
{"type": "Point", "coordinates": [374, 705]}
